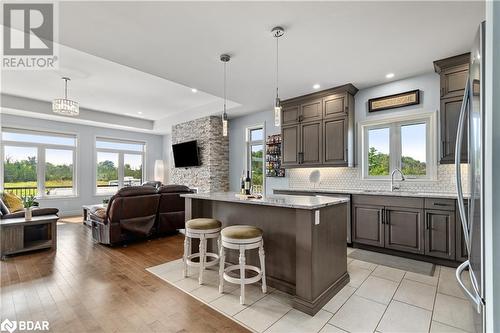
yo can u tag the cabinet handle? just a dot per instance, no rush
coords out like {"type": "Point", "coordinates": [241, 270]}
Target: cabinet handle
{"type": "Point", "coordinates": [387, 220]}
{"type": "Point", "coordinates": [381, 216]}
{"type": "Point", "coordinates": [427, 221]}
{"type": "Point", "coordinates": [442, 91]}
{"type": "Point", "coordinates": [441, 204]}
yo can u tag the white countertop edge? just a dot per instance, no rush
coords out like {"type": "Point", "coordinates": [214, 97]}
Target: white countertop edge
{"type": "Point", "coordinates": [285, 201]}
{"type": "Point", "coordinates": [439, 195]}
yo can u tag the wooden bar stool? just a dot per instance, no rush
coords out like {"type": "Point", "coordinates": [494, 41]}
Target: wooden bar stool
{"type": "Point", "coordinates": [242, 238]}
{"type": "Point", "coordinates": [202, 229]}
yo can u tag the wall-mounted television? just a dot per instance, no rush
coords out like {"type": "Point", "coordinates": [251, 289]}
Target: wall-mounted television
{"type": "Point", "coordinates": [186, 154]}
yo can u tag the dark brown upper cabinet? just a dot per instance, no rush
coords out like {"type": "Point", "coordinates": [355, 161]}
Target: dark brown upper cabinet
{"type": "Point", "coordinates": [453, 73]}
{"type": "Point", "coordinates": [312, 147]}
{"type": "Point", "coordinates": [335, 145]}
{"type": "Point", "coordinates": [290, 144]}
{"type": "Point", "coordinates": [325, 123]}
{"type": "Point", "coordinates": [311, 110]}
{"type": "Point", "coordinates": [335, 106]}
{"type": "Point", "coordinates": [290, 115]}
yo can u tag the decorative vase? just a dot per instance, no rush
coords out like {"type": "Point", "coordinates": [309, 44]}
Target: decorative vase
{"type": "Point", "coordinates": [28, 214]}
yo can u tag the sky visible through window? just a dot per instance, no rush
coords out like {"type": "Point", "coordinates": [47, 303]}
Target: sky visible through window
{"type": "Point", "coordinates": [59, 157]}
{"type": "Point", "coordinates": [413, 139]}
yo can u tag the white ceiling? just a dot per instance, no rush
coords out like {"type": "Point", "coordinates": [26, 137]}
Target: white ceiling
{"type": "Point", "coordinates": [330, 43]}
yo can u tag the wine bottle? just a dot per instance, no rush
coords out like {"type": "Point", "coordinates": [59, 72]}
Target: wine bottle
{"type": "Point", "coordinates": [247, 183]}
{"type": "Point", "coordinates": [242, 187]}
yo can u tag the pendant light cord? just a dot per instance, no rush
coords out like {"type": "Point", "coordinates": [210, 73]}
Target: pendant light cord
{"type": "Point", "coordinates": [65, 88]}
{"type": "Point", "coordinates": [224, 87]}
{"type": "Point", "coordinates": [277, 66]}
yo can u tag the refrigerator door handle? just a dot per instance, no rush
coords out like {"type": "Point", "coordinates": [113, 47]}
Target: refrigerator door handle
{"type": "Point", "coordinates": [474, 296]}
{"type": "Point", "coordinates": [458, 153]}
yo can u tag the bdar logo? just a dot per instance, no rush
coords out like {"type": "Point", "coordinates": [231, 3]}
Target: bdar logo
{"type": "Point", "coordinates": [8, 325]}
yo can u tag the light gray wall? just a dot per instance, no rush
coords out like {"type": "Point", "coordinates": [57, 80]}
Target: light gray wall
{"type": "Point", "coordinates": [427, 83]}
{"type": "Point", "coordinates": [85, 156]}
{"type": "Point", "coordinates": [237, 148]}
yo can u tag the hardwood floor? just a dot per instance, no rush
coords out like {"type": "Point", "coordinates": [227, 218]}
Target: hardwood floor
{"type": "Point", "coordinates": [90, 287]}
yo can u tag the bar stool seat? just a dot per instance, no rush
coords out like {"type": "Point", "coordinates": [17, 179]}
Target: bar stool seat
{"type": "Point", "coordinates": [203, 229]}
{"type": "Point", "coordinates": [242, 238]}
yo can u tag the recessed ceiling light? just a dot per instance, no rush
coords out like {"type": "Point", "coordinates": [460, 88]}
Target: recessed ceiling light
{"type": "Point", "coordinates": [389, 76]}
{"type": "Point", "coordinates": [140, 112]}
{"type": "Point", "coordinates": [194, 90]}
{"type": "Point", "coordinates": [316, 86]}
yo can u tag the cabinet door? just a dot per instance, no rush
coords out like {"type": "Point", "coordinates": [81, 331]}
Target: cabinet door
{"type": "Point", "coordinates": [290, 114]}
{"type": "Point", "coordinates": [311, 110]}
{"type": "Point", "coordinates": [335, 141]}
{"type": "Point", "coordinates": [311, 143]}
{"type": "Point", "coordinates": [367, 225]}
{"type": "Point", "coordinates": [453, 81]}
{"type": "Point", "coordinates": [440, 234]}
{"type": "Point", "coordinates": [449, 114]}
{"type": "Point", "coordinates": [461, 248]}
{"type": "Point", "coordinates": [404, 229]}
{"type": "Point", "coordinates": [335, 106]}
{"type": "Point", "coordinates": [290, 145]}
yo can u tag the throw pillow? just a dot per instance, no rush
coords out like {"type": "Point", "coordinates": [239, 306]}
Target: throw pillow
{"type": "Point", "coordinates": [13, 202]}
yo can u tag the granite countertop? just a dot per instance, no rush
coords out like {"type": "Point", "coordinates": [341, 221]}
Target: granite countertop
{"type": "Point", "coordinates": [439, 195]}
{"type": "Point", "coordinates": [286, 201]}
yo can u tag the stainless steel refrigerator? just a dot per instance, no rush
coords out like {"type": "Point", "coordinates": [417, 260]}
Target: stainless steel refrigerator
{"type": "Point", "coordinates": [471, 205]}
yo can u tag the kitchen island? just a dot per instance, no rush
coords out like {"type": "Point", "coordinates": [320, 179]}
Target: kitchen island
{"type": "Point", "coordinates": [304, 240]}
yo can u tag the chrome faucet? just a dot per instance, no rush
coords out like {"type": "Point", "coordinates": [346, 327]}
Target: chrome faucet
{"type": "Point", "coordinates": [396, 187]}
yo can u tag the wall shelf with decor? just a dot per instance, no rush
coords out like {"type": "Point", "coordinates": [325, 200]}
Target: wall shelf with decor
{"type": "Point", "coordinates": [273, 156]}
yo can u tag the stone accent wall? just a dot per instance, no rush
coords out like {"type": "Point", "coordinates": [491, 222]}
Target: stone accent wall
{"type": "Point", "coordinates": [213, 174]}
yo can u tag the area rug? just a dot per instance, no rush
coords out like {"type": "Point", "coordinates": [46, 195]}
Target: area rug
{"type": "Point", "coordinates": [404, 264]}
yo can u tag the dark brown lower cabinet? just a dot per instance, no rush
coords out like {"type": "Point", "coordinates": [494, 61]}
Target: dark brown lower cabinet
{"type": "Point", "coordinates": [440, 234]}
{"type": "Point", "coordinates": [368, 227]}
{"type": "Point", "coordinates": [404, 229]}
{"type": "Point", "coordinates": [461, 248]}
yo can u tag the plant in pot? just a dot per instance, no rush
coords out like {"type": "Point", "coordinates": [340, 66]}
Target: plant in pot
{"type": "Point", "coordinates": [29, 202]}
{"type": "Point", "coordinates": [105, 202]}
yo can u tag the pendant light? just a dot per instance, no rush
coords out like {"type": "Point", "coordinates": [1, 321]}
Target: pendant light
{"type": "Point", "coordinates": [225, 59]}
{"type": "Point", "coordinates": [277, 32]}
{"type": "Point", "coordinates": [64, 105]}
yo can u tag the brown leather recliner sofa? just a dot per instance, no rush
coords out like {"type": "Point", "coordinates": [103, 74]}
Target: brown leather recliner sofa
{"type": "Point", "coordinates": [139, 212]}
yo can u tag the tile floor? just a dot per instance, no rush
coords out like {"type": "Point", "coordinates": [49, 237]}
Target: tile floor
{"type": "Point", "coordinates": [378, 298]}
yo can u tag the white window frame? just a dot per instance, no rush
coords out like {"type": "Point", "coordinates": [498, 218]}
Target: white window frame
{"type": "Point", "coordinates": [40, 165]}
{"type": "Point", "coordinates": [248, 154]}
{"type": "Point", "coordinates": [394, 124]}
{"type": "Point", "coordinates": [121, 165]}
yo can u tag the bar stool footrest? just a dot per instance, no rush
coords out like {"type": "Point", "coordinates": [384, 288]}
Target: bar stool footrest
{"type": "Point", "coordinates": [248, 280]}
{"type": "Point", "coordinates": [192, 263]}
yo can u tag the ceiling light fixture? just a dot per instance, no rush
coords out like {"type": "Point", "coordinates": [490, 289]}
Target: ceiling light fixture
{"type": "Point", "coordinates": [389, 76]}
{"type": "Point", "coordinates": [225, 59]}
{"type": "Point", "coordinates": [316, 86]}
{"type": "Point", "coordinates": [277, 32]}
{"type": "Point", "coordinates": [64, 105]}
{"type": "Point", "coordinates": [194, 90]}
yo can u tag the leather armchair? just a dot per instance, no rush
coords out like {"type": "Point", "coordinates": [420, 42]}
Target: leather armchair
{"type": "Point", "coordinates": [171, 209]}
{"type": "Point", "coordinates": [131, 214]}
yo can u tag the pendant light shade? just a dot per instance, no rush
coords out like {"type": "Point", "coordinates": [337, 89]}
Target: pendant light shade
{"type": "Point", "coordinates": [277, 32]}
{"type": "Point", "coordinates": [225, 59]}
{"type": "Point", "coordinates": [64, 105]}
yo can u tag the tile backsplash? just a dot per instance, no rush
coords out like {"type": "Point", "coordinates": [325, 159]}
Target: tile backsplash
{"type": "Point", "coordinates": [350, 179]}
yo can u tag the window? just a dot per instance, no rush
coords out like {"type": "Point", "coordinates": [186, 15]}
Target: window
{"type": "Point", "coordinates": [403, 143]}
{"type": "Point", "coordinates": [255, 157]}
{"type": "Point", "coordinates": [38, 163]}
{"type": "Point", "coordinates": [119, 163]}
